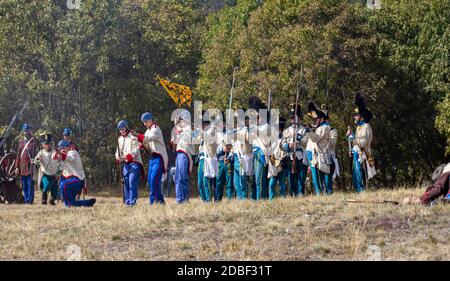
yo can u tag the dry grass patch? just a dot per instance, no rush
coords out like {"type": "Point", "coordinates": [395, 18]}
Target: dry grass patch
{"type": "Point", "coordinates": [318, 228]}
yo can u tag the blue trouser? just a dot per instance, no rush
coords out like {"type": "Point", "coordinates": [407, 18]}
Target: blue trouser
{"type": "Point", "coordinates": [357, 173]}
{"type": "Point", "coordinates": [49, 183]}
{"type": "Point", "coordinates": [167, 184]}
{"type": "Point", "coordinates": [131, 177]}
{"type": "Point", "coordinates": [155, 172]}
{"type": "Point", "coordinates": [281, 178]}
{"type": "Point", "coordinates": [70, 188]}
{"type": "Point", "coordinates": [261, 170]}
{"type": "Point", "coordinates": [297, 181]}
{"type": "Point", "coordinates": [28, 189]}
{"type": "Point", "coordinates": [329, 179]}
{"type": "Point", "coordinates": [182, 178]}
{"type": "Point", "coordinates": [318, 177]}
{"type": "Point", "coordinates": [224, 178]}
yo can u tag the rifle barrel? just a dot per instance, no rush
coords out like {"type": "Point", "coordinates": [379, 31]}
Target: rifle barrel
{"type": "Point", "coordinates": [11, 124]}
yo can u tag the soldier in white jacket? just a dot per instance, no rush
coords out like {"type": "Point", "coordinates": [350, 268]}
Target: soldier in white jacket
{"type": "Point", "coordinates": [49, 167]}
{"type": "Point", "coordinates": [182, 139]}
{"type": "Point", "coordinates": [208, 162]}
{"type": "Point", "coordinates": [276, 171]}
{"type": "Point", "coordinates": [129, 156]}
{"type": "Point", "coordinates": [73, 177]}
{"type": "Point", "coordinates": [224, 156]}
{"type": "Point", "coordinates": [157, 167]}
{"type": "Point", "coordinates": [363, 164]}
{"type": "Point", "coordinates": [295, 150]}
{"type": "Point", "coordinates": [317, 148]}
{"type": "Point", "coordinates": [244, 174]}
{"type": "Point", "coordinates": [261, 149]}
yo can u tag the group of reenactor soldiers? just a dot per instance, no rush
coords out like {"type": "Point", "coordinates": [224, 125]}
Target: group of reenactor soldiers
{"type": "Point", "coordinates": [57, 171]}
{"type": "Point", "coordinates": [246, 165]}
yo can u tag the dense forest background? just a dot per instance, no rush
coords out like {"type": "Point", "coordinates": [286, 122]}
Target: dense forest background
{"type": "Point", "coordinates": [88, 68]}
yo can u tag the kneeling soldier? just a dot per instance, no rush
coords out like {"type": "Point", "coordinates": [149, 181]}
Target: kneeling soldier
{"type": "Point", "coordinates": [73, 177]}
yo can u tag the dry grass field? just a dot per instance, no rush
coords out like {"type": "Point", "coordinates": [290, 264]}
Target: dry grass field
{"type": "Point", "coordinates": [309, 228]}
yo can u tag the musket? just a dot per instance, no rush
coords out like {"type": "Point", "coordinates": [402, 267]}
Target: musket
{"type": "Point", "coordinates": [232, 90]}
{"type": "Point", "coordinates": [119, 167]}
{"type": "Point", "coordinates": [229, 117]}
{"type": "Point", "coordinates": [294, 166]}
{"type": "Point", "coordinates": [355, 201]}
{"type": "Point", "coordinates": [11, 124]}
{"type": "Point", "coordinates": [373, 201]}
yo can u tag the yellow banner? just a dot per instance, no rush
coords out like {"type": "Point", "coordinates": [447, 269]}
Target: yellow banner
{"type": "Point", "coordinates": [180, 94]}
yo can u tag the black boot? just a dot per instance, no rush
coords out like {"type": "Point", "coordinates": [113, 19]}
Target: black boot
{"type": "Point", "coordinates": [44, 198]}
{"type": "Point", "coordinates": [91, 202]}
{"type": "Point", "coordinates": [52, 202]}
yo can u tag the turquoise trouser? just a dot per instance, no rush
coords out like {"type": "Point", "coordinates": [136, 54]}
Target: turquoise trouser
{"type": "Point", "coordinates": [203, 182]}
{"type": "Point", "coordinates": [281, 179]}
{"type": "Point", "coordinates": [240, 192]}
{"type": "Point", "coordinates": [318, 177]}
{"type": "Point", "coordinates": [224, 178]}
{"type": "Point", "coordinates": [357, 173]}
{"type": "Point", "coordinates": [329, 179]}
{"type": "Point", "coordinates": [49, 183]}
{"type": "Point", "coordinates": [261, 182]}
{"type": "Point", "coordinates": [243, 184]}
{"type": "Point", "coordinates": [297, 181]}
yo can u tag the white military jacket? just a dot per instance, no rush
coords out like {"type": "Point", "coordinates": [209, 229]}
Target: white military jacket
{"type": "Point", "coordinates": [209, 149]}
{"type": "Point", "coordinates": [182, 137]}
{"type": "Point", "coordinates": [72, 166]}
{"type": "Point", "coordinates": [362, 142]}
{"type": "Point", "coordinates": [154, 140]}
{"type": "Point", "coordinates": [318, 143]}
{"type": "Point", "coordinates": [48, 165]}
{"type": "Point", "coordinates": [288, 138]}
{"type": "Point", "coordinates": [262, 140]}
{"type": "Point", "coordinates": [363, 138]}
{"type": "Point", "coordinates": [129, 145]}
{"type": "Point", "coordinates": [244, 151]}
{"type": "Point", "coordinates": [275, 156]}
